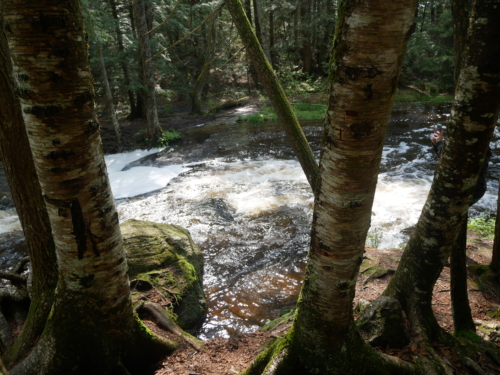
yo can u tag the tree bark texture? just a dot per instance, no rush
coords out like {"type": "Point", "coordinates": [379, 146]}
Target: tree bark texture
{"type": "Point", "coordinates": [460, 308]}
{"type": "Point", "coordinates": [123, 63]}
{"type": "Point", "coordinates": [471, 125]}
{"type": "Point", "coordinates": [368, 52]}
{"type": "Point", "coordinates": [27, 195]}
{"type": "Point", "coordinates": [275, 92]}
{"type": "Point", "coordinates": [147, 72]}
{"type": "Point", "coordinates": [460, 13]}
{"type": "Point", "coordinates": [92, 327]}
{"type": "Point", "coordinates": [109, 97]}
{"type": "Point", "coordinates": [369, 46]}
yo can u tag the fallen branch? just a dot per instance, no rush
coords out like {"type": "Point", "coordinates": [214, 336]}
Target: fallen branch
{"type": "Point", "coordinates": [163, 321]}
{"type": "Point", "coordinates": [418, 90]}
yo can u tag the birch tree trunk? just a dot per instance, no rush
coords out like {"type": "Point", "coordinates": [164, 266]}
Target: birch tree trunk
{"type": "Point", "coordinates": [369, 46]}
{"type": "Point", "coordinates": [109, 97]}
{"type": "Point", "coordinates": [154, 130]}
{"type": "Point", "coordinates": [27, 195]}
{"type": "Point", "coordinates": [92, 327]}
{"type": "Point", "coordinates": [471, 125]}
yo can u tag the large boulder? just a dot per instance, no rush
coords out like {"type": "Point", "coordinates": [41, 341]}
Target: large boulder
{"type": "Point", "coordinates": [164, 258]}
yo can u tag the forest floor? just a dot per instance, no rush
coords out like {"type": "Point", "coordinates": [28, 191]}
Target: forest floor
{"type": "Point", "coordinates": [228, 356]}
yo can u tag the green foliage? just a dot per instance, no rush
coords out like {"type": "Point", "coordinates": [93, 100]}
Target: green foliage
{"type": "Point", "coordinates": [483, 226]}
{"type": "Point", "coordinates": [168, 137]}
{"type": "Point", "coordinates": [303, 111]}
{"type": "Point", "coordinates": [429, 60]}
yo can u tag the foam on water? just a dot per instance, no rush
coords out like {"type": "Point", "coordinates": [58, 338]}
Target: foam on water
{"type": "Point", "coordinates": [138, 180]}
{"type": "Point", "coordinates": [9, 221]}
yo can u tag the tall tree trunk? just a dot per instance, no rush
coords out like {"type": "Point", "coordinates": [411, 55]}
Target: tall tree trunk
{"type": "Point", "coordinates": [272, 50]}
{"type": "Point", "coordinates": [363, 79]}
{"type": "Point", "coordinates": [154, 130]}
{"type": "Point", "coordinates": [460, 13]}
{"type": "Point", "coordinates": [21, 174]}
{"type": "Point", "coordinates": [276, 94]}
{"type": "Point", "coordinates": [205, 70]}
{"type": "Point", "coordinates": [471, 125]}
{"type": "Point", "coordinates": [305, 35]}
{"type": "Point", "coordinates": [460, 308]}
{"type": "Point", "coordinates": [261, 29]}
{"type": "Point", "coordinates": [495, 259]}
{"type": "Point", "coordinates": [123, 63]}
{"type": "Point", "coordinates": [462, 316]}
{"type": "Point", "coordinates": [251, 68]}
{"type": "Point", "coordinates": [91, 327]}
{"type": "Point", "coordinates": [423, 19]}
{"type": "Point", "coordinates": [109, 97]}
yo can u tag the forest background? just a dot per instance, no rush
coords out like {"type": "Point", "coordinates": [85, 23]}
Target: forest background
{"type": "Point", "coordinates": [199, 63]}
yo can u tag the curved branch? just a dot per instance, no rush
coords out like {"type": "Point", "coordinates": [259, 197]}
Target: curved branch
{"type": "Point", "coordinates": [166, 20]}
{"type": "Point", "coordinates": [188, 35]}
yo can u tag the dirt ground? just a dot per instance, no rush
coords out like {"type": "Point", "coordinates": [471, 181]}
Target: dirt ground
{"type": "Point", "coordinates": [233, 355]}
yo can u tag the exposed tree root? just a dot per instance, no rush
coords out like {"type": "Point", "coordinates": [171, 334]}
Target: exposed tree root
{"type": "Point", "coordinates": [163, 321]}
{"type": "Point", "coordinates": [20, 266]}
{"type": "Point", "coordinates": [14, 277]}
{"type": "Point", "coordinates": [284, 358]}
{"type": "Point", "coordinates": [6, 334]}
{"type": "Point", "coordinates": [469, 363]}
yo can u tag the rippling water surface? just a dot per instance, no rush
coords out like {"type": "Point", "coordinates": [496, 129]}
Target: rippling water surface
{"type": "Point", "coordinates": [243, 196]}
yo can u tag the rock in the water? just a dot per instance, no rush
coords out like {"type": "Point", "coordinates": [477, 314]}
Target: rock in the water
{"type": "Point", "coordinates": [166, 257]}
{"type": "Point", "coordinates": [382, 324]}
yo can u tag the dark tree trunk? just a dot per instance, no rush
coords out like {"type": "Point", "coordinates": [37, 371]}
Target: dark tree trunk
{"type": "Point", "coordinates": [202, 78]}
{"type": "Point", "coordinates": [109, 97]}
{"type": "Point", "coordinates": [305, 34]}
{"type": "Point", "coordinates": [149, 94]}
{"type": "Point", "coordinates": [471, 125]}
{"type": "Point", "coordinates": [460, 308]}
{"type": "Point", "coordinates": [460, 12]}
{"type": "Point", "coordinates": [27, 195]}
{"type": "Point", "coordinates": [251, 68]}
{"type": "Point", "coordinates": [123, 63]}
{"type": "Point", "coordinates": [495, 259]}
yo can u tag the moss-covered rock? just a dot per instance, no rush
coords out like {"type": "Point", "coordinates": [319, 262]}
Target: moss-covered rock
{"type": "Point", "coordinates": [382, 324]}
{"type": "Point", "coordinates": [165, 257]}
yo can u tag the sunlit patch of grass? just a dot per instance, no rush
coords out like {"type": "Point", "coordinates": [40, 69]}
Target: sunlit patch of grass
{"type": "Point", "coordinates": [303, 111]}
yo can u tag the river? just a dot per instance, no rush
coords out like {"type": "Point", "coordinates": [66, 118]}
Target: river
{"type": "Point", "coordinates": [240, 191]}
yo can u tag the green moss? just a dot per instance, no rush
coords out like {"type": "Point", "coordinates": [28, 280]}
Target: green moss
{"type": "Point", "coordinates": [470, 335]}
{"type": "Point", "coordinates": [494, 314]}
{"type": "Point", "coordinates": [166, 257]}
